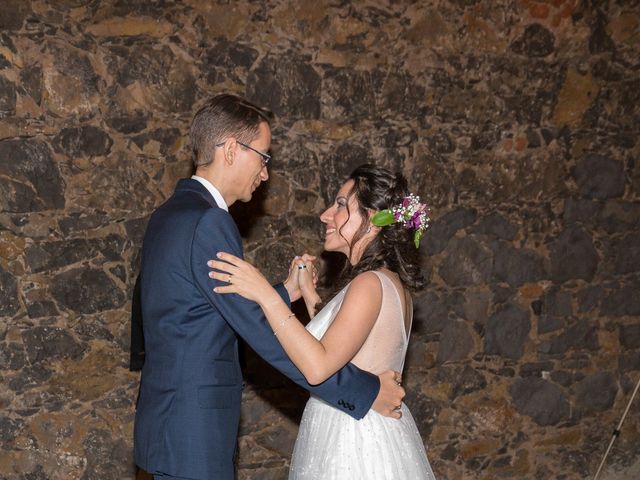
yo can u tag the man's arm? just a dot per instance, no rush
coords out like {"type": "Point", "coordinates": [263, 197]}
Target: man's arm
{"type": "Point", "coordinates": [350, 389]}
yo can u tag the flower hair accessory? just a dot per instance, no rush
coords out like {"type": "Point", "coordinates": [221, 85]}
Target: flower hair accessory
{"type": "Point", "coordinates": [410, 212]}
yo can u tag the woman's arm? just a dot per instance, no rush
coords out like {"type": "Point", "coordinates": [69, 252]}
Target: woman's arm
{"type": "Point", "coordinates": [316, 359]}
{"type": "Point", "coordinates": [311, 299]}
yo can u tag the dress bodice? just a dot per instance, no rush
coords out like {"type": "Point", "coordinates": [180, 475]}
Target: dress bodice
{"type": "Point", "coordinates": [386, 345]}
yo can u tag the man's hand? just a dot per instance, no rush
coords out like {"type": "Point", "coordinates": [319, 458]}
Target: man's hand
{"type": "Point", "coordinates": [389, 399]}
{"type": "Point", "coordinates": [293, 283]}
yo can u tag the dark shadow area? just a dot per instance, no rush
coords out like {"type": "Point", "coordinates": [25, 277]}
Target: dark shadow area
{"type": "Point", "coordinates": [280, 392]}
{"type": "Point", "coordinates": [334, 263]}
{"type": "Point", "coordinates": [245, 214]}
{"type": "Point", "coordinates": [271, 385]}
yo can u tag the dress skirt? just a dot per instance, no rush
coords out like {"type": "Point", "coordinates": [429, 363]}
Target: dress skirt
{"type": "Point", "coordinates": [333, 446]}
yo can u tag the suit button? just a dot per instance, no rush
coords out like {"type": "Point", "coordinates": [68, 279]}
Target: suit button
{"type": "Point", "coordinates": [352, 408]}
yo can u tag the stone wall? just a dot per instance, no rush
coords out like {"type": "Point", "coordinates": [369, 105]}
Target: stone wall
{"type": "Point", "coordinates": [517, 120]}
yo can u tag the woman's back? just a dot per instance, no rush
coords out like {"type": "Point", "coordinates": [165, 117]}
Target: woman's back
{"type": "Point", "coordinates": [386, 345]}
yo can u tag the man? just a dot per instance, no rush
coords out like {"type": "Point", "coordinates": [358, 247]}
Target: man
{"type": "Point", "coordinates": [189, 405]}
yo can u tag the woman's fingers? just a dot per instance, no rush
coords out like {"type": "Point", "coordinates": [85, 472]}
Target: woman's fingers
{"type": "Point", "coordinates": [223, 266]}
{"type": "Point", "coordinates": [226, 289]}
{"type": "Point", "coordinates": [222, 276]}
{"type": "Point", "coordinates": [228, 257]}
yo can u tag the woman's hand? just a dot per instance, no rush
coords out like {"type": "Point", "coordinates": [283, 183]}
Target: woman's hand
{"type": "Point", "coordinates": [308, 280]}
{"type": "Point", "coordinates": [307, 273]}
{"type": "Point", "coordinates": [241, 278]}
{"type": "Point", "coordinates": [292, 283]}
{"type": "Point", "coordinates": [298, 266]}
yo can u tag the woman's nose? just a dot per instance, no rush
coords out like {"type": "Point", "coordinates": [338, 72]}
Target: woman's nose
{"type": "Point", "coordinates": [324, 216]}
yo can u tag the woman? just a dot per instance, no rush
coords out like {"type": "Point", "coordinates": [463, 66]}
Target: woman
{"type": "Point", "coordinates": [372, 221]}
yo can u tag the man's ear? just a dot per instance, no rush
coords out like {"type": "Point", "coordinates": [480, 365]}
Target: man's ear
{"type": "Point", "coordinates": [229, 150]}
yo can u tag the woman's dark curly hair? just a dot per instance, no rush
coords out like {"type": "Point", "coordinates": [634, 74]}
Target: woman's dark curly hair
{"type": "Point", "coordinates": [377, 189]}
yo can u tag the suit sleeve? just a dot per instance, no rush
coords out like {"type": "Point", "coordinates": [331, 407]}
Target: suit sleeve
{"type": "Point", "coordinates": [351, 389]}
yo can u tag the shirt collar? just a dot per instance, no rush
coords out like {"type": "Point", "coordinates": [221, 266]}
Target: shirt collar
{"type": "Point", "coordinates": [215, 193]}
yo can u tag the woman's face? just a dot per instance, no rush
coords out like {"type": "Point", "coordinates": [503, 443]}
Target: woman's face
{"type": "Point", "coordinates": [342, 223]}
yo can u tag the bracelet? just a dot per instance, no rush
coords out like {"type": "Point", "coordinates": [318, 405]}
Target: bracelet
{"type": "Point", "coordinates": [282, 323]}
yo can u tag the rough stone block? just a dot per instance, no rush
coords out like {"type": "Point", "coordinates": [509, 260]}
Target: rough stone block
{"type": "Point", "coordinates": [430, 314]}
{"type": "Point", "coordinates": [516, 266]}
{"type": "Point", "coordinates": [10, 303]}
{"type": "Point", "coordinates": [573, 256]}
{"type": "Point", "coordinates": [88, 141]}
{"type": "Point", "coordinates": [599, 177]}
{"type": "Point", "coordinates": [581, 336]}
{"type": "Point", "coordinates": [621, 302]}
{"type": "Point", "coordinates": [287, 85]}
{"type": "Point", "coordinates": [86, 290]}
{"type": "Point", "coordinates": [13, 14]}
{"type": "Point", "coordinates": [497, 226]}
{"type": "Point", "coordinates": [589, 298]}
{"type": "Point", "coordinates": [442, 229]}
{"type": "Point", "coordinates": [456, 342]}
{"type": "Point", "coordinates": [596, 393]}
{"type": "Point", "coordinates": [581, 210]}
{"type": "Point", "coordinates": [468, 263]}
{"type": "Point", "coordinates": [7, 97]}
{"type": "Point", "coordinates": [536, 41]}
{"type": "Point", "coordinates": [539, 399]}
{"type": "Point", "coordinates": [507, 331]}
{"type": "Point", "coordinates": [44, 344]}
{"type": "Point", "coordinates": [623, 254]}
{"type": "Point", "coordinates": [31, 81]}
{"type": "Point", "coordinates": [30, 164]}
{"type": "Point", "coordinates": [630, 336]}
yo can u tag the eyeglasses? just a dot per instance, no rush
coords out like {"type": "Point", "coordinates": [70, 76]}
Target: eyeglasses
{"type": "Point", "coordinates": [264, 157]}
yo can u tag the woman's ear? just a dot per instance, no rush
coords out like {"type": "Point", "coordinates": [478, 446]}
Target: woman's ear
{"type": "Point", "coordinates": [371, 227]}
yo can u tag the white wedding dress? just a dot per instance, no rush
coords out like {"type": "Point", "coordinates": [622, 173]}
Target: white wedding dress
{"type": "Point", "coordinates": [332, 445]}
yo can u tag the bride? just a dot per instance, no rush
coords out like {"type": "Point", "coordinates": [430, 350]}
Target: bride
{"type": "Point", "coordinates": [374, 221]}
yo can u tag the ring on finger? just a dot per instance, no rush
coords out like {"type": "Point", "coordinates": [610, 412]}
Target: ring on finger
{"type": "Point", "coordinates": [229, 279]}
{"type": "Point", "coordinates": [302, 267]}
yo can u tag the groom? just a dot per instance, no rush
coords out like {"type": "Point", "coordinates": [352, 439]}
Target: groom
{"type": "Point", "coordinates": [188, 411]}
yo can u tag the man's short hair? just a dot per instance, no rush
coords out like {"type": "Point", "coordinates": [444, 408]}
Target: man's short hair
{"type": "Point", "coordinates": [221, 117]}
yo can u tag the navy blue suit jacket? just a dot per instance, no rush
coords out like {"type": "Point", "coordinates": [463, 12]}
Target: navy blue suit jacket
{"type": "Point", "coordinates": [189, 406]}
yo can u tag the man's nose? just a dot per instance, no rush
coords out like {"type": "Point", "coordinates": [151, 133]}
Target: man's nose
{"type": "Point", "coordinates": [264, 174]}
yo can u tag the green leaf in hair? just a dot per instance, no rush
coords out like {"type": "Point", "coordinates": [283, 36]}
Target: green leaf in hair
{"type": "Point", "coordinates": [383, 218]}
